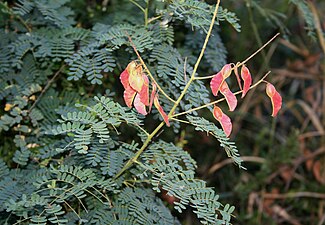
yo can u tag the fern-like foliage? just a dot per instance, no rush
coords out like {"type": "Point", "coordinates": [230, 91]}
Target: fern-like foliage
{"type": "Point", "coordinates": [307, 14]}
{"type": "Point", "coordinates": [215, 54]}
{"type": "Point", "coordinates": [144, 207]}
{"type": "Point", "coordinates": [274, 17]}
{"type": "Point", "coordinates": [204, 125]}
{"type": "Point", "coordinates": [174, 173]}
{"type": "Point", "coordinates": [97, 121]}
{"type": "Point", "coordinates": [56, 12]}
{"type": "Point", "coordinates": [198, 14]}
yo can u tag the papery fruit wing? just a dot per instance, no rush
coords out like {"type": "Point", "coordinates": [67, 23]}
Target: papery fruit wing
{"type": "Point", "coordinates": [139, 106]}
{"type": "Point", "coordinates": [124, 77]}
{"type": "Point", "coordinates": [226, 71]}
{"type": "Point", "coordinates": [223, 119]}
{"type": "Point", "coordinates": [219, 78]}
{"type": "Point", "coordinates": [128, 96]}
{"type": "Point", "coordinates": [161, 110]}
{"type": "Point", "coordinates": [247, 78]}
{"type": "Point", "coordinates": [275, 97]}
{"type": "Point", "coordinates": [144, 93]}
{"type": "Point", "coordinates": [216, 82]}
{"type": "Point", "coordinates": [135, 76]}
{"type": "Point", "coordinates": [230, 97]}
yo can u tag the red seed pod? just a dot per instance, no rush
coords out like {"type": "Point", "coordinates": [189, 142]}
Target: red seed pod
{"type": "Point", "coordinates": [230, 97]}
{"type": "Point", "coordinates": [223, 119]}
{"type": "Point", "coordinates": [247, 78]}
{"type": "Point", "coordinates": [161, 110]}
{"type": "Point", "coordinates": [275, 97]}
{"type": "Point", "coordinates": [219, 78]}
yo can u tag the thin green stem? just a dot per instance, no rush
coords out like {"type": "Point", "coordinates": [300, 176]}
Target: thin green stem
{"type": "Point", "coordinates": [205, 77]}
{"type": "Point", "coordinates": [146, 12]}
{"type": "Point", "coordinates": [17, 17]}
{"type": "Point", "coordinates": [245, 61]}
{"type": "Point", "coordinates": [154, 18]}
{"type": "Point", "coordinates": [255, 30]}
{"type": "Point", "coordinates": [148, 71]}
{"type": "Point", "coordinates": [318, 25]}
{"type": "Point", "coordinates": [322, 44]}
{"type": "Point", "coordinates": [181, 121]}
{"type": "Point", "coordinates": [206, 39]}
{"type": "Point", "coordinates": [197, 61]}
{"type": "Point", "coordinates": [149, 138]}
{"type": "Point", "coordinates": [258, 50]}
{"type": "Point", "coordinates": [139, 6]}
{"type": "Point", "coordinates": [221, 99]}
{"type": "Point", "coordinates": [47, 86]}
{"type": "Point", "coordinates": [138, 153]}
{"type": "Point", "coordinates": [143, 130]}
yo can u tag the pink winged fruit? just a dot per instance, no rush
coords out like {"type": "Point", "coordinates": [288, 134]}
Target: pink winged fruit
{"type": "Point", "coordinates": [223, 119]}
{"type": "Point", "coordinates": [275, 97]}
{"type": "Point", "coordinates": [136, 90]}
{"type": "Point", "coordinates": [136, 85]}
{"type": "Point", "coordinates": [247, 78]}
{"type": "Point", "coordinates": [230, 97]}
{"type": "Point", "coordinates": [219, 78]}
{"type": "Point", "coordinates": [161, 110]}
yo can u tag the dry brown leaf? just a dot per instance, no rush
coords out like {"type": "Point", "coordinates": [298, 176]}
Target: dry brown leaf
{"type": "Point", "coordinates": [309, 162]}
{"type": "Point", "coordinates": [309, 94]}
{"type": "Point", "coordinates": [312, 115]}
{"type": "Point", "coordinates": [318, 172]}
{"type": "Point", "coordinates": [281, 212]}
{"type": "Point", "coordinates": [286, 173]}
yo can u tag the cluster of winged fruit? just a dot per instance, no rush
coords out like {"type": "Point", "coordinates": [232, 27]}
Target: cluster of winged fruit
{"type": "Point", "coordinates": [136, 84]}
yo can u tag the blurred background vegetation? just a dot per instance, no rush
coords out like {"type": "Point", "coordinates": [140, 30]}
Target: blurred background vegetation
{"type": "Point", "coordinates": [285, 156]}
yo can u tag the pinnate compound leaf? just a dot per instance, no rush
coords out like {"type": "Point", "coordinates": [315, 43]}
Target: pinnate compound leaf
{"type": "Point", "coordinates": [230, 97]}
{"type": "Point", "coordinates": [247, 78]}
{"type": "Point", "coordinates": [223, 119]}
{"type": "Point", "coordinates": [275, 97]}
{"type": "Point", "coordinates": [219, 78]}
{"type": "Point", "coordinates": [161, 110]}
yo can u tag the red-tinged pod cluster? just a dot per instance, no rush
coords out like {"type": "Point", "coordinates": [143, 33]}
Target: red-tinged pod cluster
{"type": "Point", "coordinates": [136, 90]}
{"type": "Point", "coordinates": [218, 83]}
